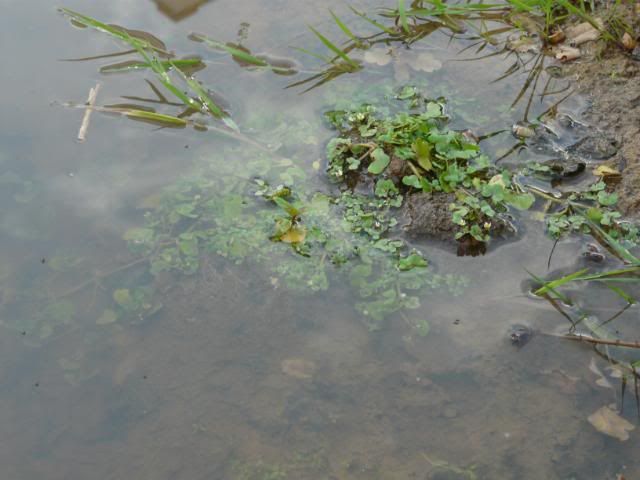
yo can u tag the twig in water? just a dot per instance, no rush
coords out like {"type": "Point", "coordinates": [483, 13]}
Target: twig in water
{"type": "Point", "coordinates": [600, 341]}
{"type": "Point", "coordinates": [100, 276]}
{"type": "Point", "coordinates": [91, 101]}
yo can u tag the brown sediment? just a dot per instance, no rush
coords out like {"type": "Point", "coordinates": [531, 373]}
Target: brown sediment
{"type": "Point", "coordinates": [609, 76]}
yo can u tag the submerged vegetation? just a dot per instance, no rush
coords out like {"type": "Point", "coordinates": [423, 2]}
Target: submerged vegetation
{"type": "Point", "coordinates": [382, 157]}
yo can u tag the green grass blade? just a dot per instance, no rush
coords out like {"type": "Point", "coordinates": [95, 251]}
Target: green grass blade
{"type": "Point", "coordinates": [612, 273]}
{"type": "Point", "coordinates": [157, 118]}
{"type": "Point", "coordinates": [206, 100]}
{"type": "Point", "coordinates": [343, 27]}
{"type": "Point", "coordinates": [621, 293]}
{"type": "Point", "coordinates": [137, 65]}
{"type": "Point", "coordinates": [316, 55]}
{"type": "Point", "coordinates": [234, 52]}
{"type": "Point", "coordinates": [553, 284]}
{"type": "Point", "coordinates": [384, 28]}
{"type": "Point", "coordinates": [616, 246]}
{"type": "Point", "coordinates": [103, 27]}
{"type": "Point", "coordinates": [165, 79]}
{"type": "Point", "coordinates": [332, 47]}
{"type": "Point", "coordinates": [402, 13]}
{"type": "Point", "coordinates": [558, 295]}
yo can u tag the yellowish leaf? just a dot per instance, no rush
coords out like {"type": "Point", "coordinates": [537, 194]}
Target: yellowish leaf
{"type": "Point", "coordinates": [610, 423]}
{"type": "Point", "coordinates": [294, 235]}
{"type": "Point", "coordinates": [604, 171]}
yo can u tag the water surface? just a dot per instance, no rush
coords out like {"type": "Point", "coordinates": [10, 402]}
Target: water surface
{"type": "Point", "coordinates": [235, 376]}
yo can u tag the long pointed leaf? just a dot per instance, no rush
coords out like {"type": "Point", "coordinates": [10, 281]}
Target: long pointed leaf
{"type": "Point", "coordinates": [332, 47]}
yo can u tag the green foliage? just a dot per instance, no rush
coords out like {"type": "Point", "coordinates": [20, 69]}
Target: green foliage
{"type": "Point", "coordinates": [149, 49]}
{"type": "Point", "coordinates": [303, 240]}
{"type": "Point", "coordinates": [440, 159]}
{"type": "Point", "coordinates": [594, 206]}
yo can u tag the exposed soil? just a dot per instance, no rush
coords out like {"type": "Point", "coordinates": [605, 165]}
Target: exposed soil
{"type": "Point", "coordinates": [429, 215]}
{"type": "Point", "coordinates": [609, 77]}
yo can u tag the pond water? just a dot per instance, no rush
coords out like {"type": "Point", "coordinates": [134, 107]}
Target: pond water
{"type": "Point", "coordinates": [110, 371]}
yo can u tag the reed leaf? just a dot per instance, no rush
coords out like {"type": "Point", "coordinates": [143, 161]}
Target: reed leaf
{"type": "Point", "coordinates": [138, 65]}
{"type": "Point", "coordinates": [553, 284]}
{"type": "Point", "coordinates": [327, 43]}
{"type": "Point", "coordinates": [206, 100]}
{"type": "Point", "coordinates": [233, 51]}
{"type": "Point", "coordinates": [343, 27]}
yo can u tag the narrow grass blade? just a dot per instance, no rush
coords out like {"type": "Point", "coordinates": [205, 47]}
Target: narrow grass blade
{"type": "Point", "coordinates": [110, 29]}
{"type": "Point", "coordinates": [333, 48]}
{"type": "Point", "coordinates": [616, 246]}
{"type": "Point", "coordinates": [558, 295]}
{"type": "Point", "coordinates": [206, 100]}
{"type": "Point", "coordinates": [156, 118]}
{"type": "Point", "coordinates": [402, 14]}
{"type": "Point", "coordinates": [98, 57]}
{"type": "Point", "coordinates": [165, 79]}
{"type": "Point", "coordinates": [233, 51]}
{"type": "Point", "coordinates": [378, 25]}
{"type": "Point", "coordinates": [553, 284]}
{"type": "Point", "coordinates": [621, 293]}
{"type": "Point", "coordinates": [613, 273]}
{"type": "Point", "coordinates": [138, 65]}
{"type": "Point", "coordinates": [316, 55]}
{"type": "Point", "coordinates": [343, 27]}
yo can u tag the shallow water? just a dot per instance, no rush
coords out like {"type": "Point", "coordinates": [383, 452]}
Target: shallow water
{"type": "Point", "coordinates": [235, 376]}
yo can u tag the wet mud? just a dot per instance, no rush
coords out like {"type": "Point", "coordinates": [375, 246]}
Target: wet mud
{"type": "Point", "coordinates": [609, 77]}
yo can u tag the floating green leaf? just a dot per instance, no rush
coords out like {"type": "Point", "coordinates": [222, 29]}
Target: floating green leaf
{"type": "Point", "coordinates": [380, 161]}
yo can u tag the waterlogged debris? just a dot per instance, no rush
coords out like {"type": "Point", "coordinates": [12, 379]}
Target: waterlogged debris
{"type": "Point", "coordinates": [602, 379]}
{"type": "Point", "coordinates": [299, 368]}
{"type": "Point", "coordinates": [610, 423]}
{"type": "Point", "coordinates": [91, 101]}
{"type": "Point", "coordinates": [450, 469]}
{"type": "Point", "coordinates": [107, 318]}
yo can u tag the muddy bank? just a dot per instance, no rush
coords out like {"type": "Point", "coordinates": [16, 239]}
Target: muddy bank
{"type": "Point", "coordinates": [609, 77]}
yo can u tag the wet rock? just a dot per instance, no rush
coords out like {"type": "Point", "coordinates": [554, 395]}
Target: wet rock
{"type": "Point", "coordinates": [565, 167]}
{"type": "Point", "coordinates": [429, 215]}
{"type": "Point", "coordinates": [520, 334]}
{"type": "Point", "coordinates": [596, 146]}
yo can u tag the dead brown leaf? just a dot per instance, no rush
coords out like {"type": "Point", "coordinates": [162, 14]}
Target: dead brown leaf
{"type": "Point", "coordinates": [610, 423]}
{"type": "Point", "coordinates": [565, 53]}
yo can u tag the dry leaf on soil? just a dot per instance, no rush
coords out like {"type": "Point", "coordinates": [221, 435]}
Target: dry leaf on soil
{"type": "Point", "coordinates": [610, 423]}
{"type": "Point", "coordinates": [565, 53]}
{"type": "Point", "coordinates": [582, 33]}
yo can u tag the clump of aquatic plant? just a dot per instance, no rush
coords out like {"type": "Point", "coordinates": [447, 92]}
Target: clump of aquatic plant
{"type": "Point", "coordinates": [414, 151]}
{"type": "Point", "coordinates": [301, 239]}
{"type": "Point", "coordinates": [590, 211]}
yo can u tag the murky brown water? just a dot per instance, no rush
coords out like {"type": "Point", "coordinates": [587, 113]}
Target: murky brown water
{"type": "Point", "coordinates": [235, 377]}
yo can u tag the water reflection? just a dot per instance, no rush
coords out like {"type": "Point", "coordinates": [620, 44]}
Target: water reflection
{"type": "Point", "coordinates": [231, 375]}
{"type": "Point", "coordinates": [177, 10]}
